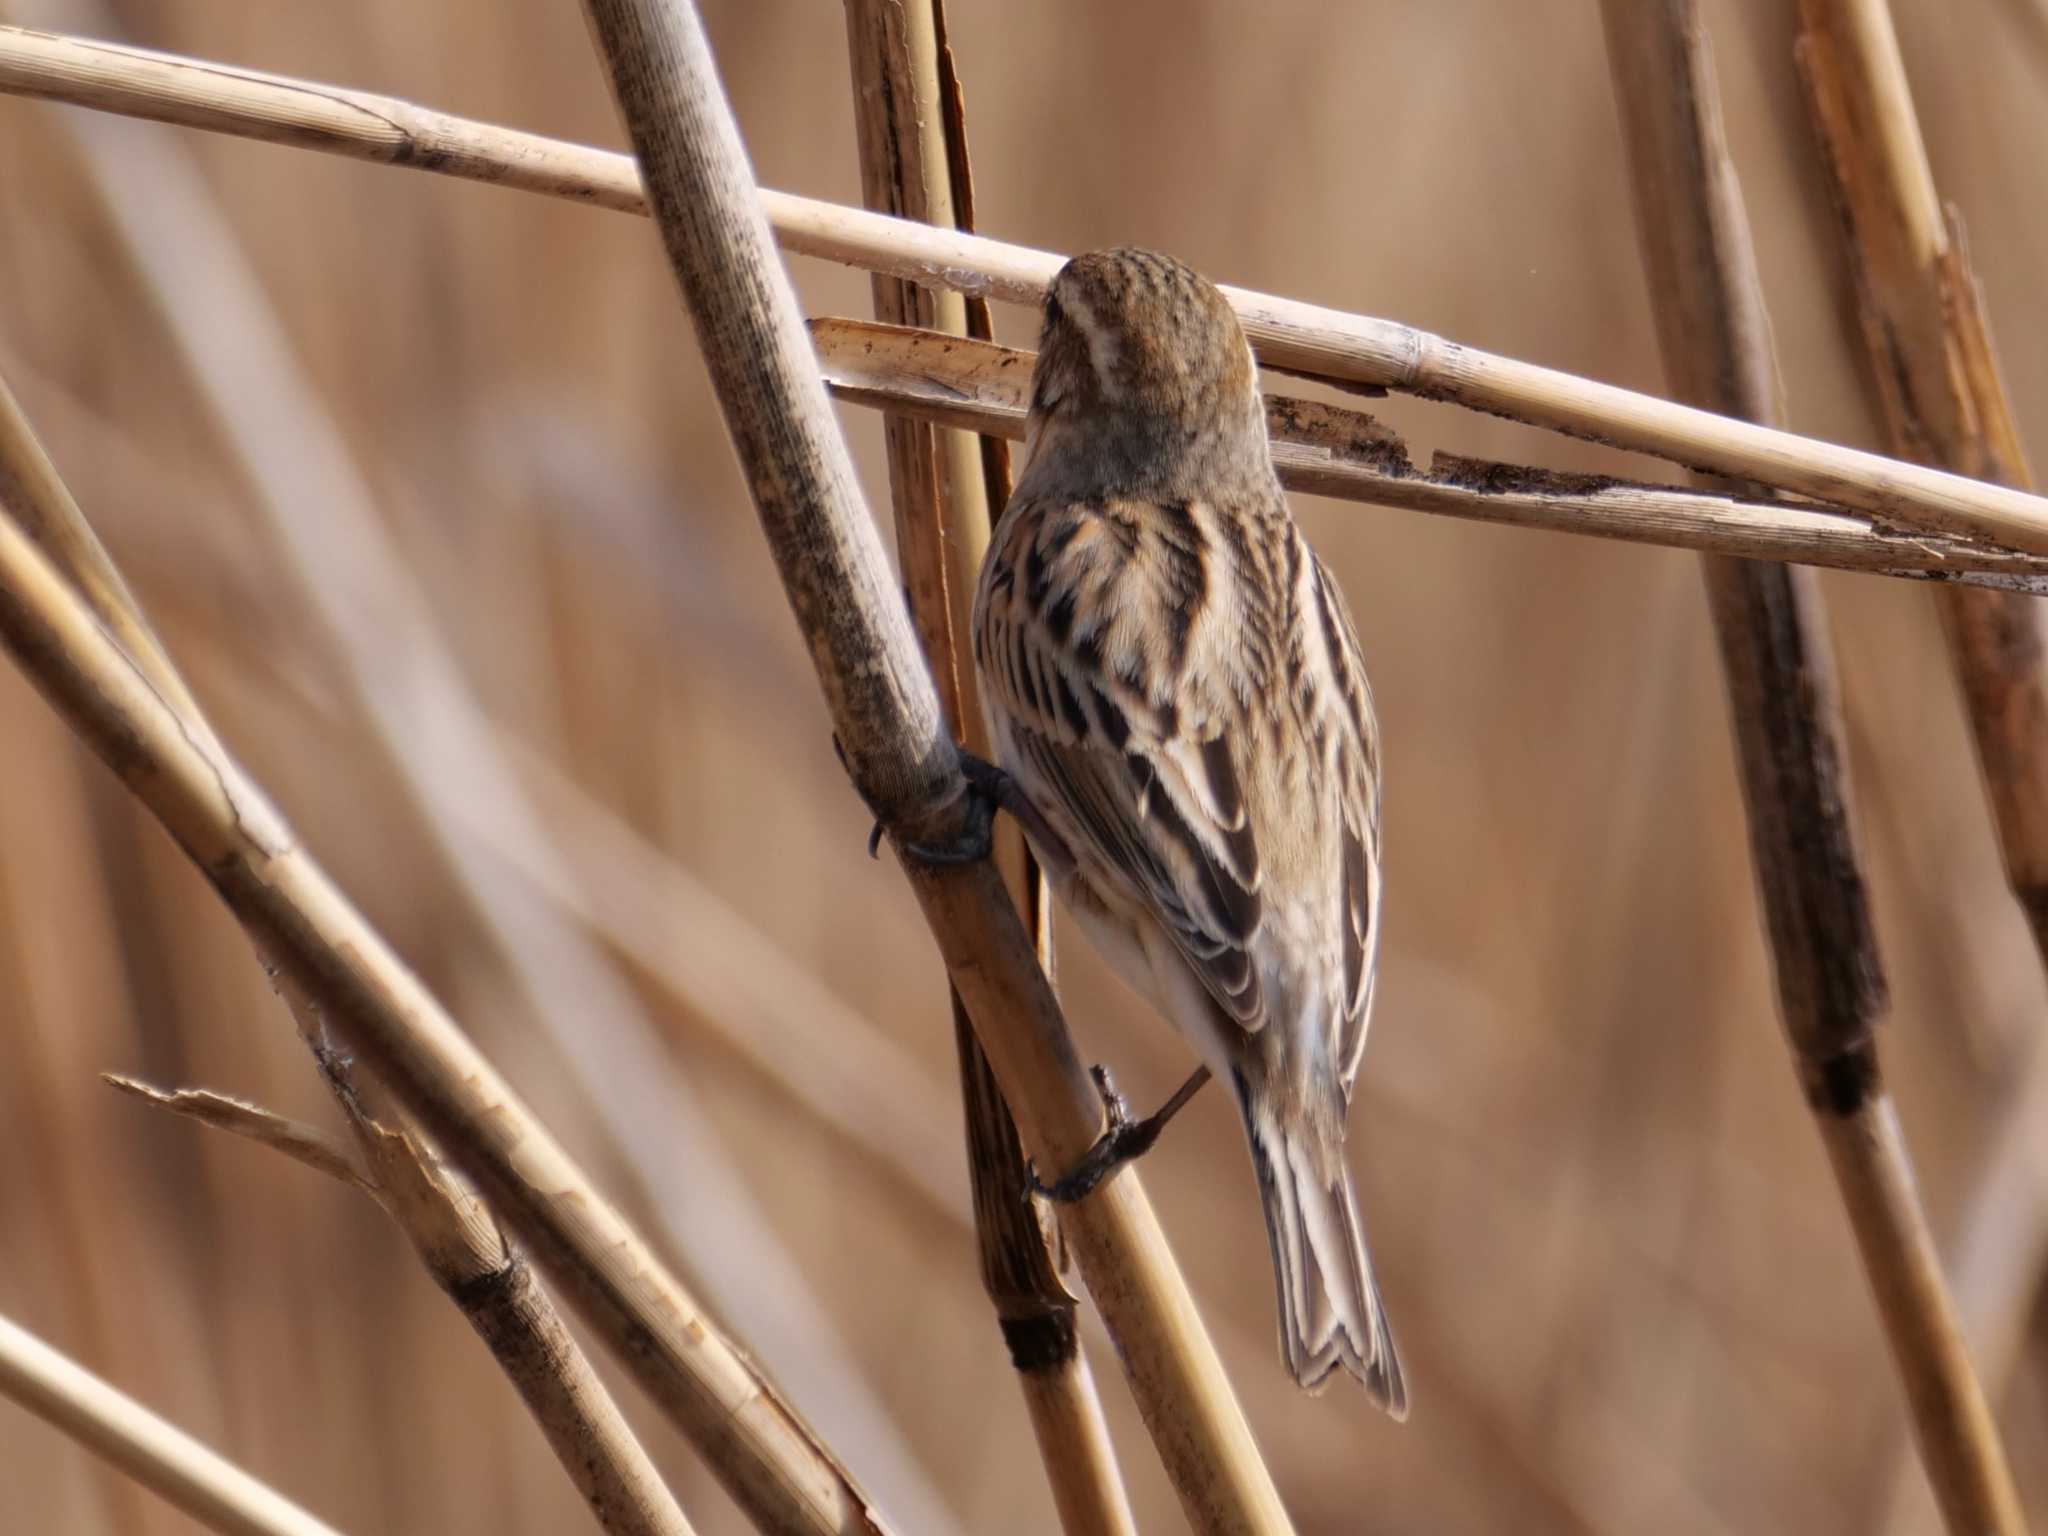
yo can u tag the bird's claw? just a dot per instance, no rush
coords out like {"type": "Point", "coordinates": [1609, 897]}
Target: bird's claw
{"type": "Point", "coordinates": [1123, 1140]}
{"type": "Point", "coordinates": [988, 787]}
{"type": "Point", "coordinates": [971, 847]}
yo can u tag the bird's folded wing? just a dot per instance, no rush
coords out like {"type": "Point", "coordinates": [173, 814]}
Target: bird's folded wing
{"type": "Point", "coordinates": [1354, 750]}
{"type": "Point", "coordinates": [1141, 829]}
{"type": "Point", "coordinates": [1135, 757]}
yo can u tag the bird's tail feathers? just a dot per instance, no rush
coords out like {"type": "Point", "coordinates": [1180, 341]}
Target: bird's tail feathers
{"type": "Point", "coordinates": [1330, 1312]}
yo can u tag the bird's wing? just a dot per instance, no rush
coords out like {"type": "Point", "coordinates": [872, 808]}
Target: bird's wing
{"type": "Point", "coordinates": [1352, 749]}
{"type": "Point", "coordinates": [1087, 620]}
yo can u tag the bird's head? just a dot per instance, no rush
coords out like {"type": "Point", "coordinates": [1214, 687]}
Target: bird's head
{"type": "Point", "coordinates": [1144, 378]}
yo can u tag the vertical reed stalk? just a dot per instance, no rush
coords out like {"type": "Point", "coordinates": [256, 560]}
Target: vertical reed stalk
{"type": "Point", "coordinates": [1928, 344]}
{"type": "Point", "coordinates": [946, 485]}
{"type": "Point", "coordinates": [1715, 337]}
{"type": "Point", "coordinates": [892, 733]}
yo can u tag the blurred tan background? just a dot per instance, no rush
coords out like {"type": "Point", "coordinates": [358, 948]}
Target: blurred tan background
{"type": "Point", "coordinates": [1623, 1288]}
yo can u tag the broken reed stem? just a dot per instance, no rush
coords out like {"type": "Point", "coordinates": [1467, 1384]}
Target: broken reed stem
{"type": "Point", "coordinates": [763, 1453]}
{"type": "Point", "coordinates": [1304, 338]}
{"type": "Point", "coordinates": [892, 734]}
{"type": "Point", "coordinates": [446, 1223]}
{"type": "Point", "coordinates": [1928, 344]}
{"type": "Point", "coordinates": [487, 1279]}
{"type": "Point", "coordinates": [1327, 450]}
{"type": "Point", "coordinates": [453, 1234]}
{"type": "Point", "coordinates": [1715, 337]}
{"type": "Point", "coordinates": [356, 584]}
{"type": "Point", "coordinates": [493, 1286]}
{"type": "Point", "coordinates": [946, 486]}
{"type": "Point", "coordinates": [902, 153]}
{"type": "Point", "coordinates": [157, 1454]}
{"type": "Point", "coordinates": [305, 1144]}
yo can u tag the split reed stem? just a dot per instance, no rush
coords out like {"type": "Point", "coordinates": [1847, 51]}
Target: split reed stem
{"type": "Point", "coordinates": [892, 733]}
{"type": "Point", "coordinates": [1715, 337]}
{"type": "Point", "coordinates": [947, 486]}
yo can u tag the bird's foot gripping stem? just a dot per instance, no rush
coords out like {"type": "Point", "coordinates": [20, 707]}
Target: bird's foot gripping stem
{"type": "Point", "coordinates": [989, 789]}
{"type": "Point", "coordinates": [1124, 1141]}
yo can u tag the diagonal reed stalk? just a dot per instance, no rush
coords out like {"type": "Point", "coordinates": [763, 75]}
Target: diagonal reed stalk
{"type": "Point", "coordinates": [1304, 338]}
{"type": "Point", "coordinates": [776, 1469]}
{"type": "Point", "coordinates": [892, 734]}
{"type": "Point", "coordinates": [213, 1491]}
{"type": "Point", "coordinates": [497, 1293]}
{"type": "Point", "coordinates": [1715, 337]}
{"type": "Point", "coordinates": [946, 485]}
{"type": "Point", "coordinates": [369, 608]}
{"type": "Point", "coordinates": [1329, 451]}
{"type": "Point", "coordinates": [486, 1278]}
{"type": "Point", "coordinates": [448, 1227]}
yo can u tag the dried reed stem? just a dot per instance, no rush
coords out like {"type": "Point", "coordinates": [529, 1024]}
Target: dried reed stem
{"type": "Point", "coordinates": [1715, 337]}
{"type": "Point", "coordinates": [892, 734]}
{"type": "Point", "coordinates": [448, 1226]}
{"type": "Point", "coordinates": [1329, 451]}
{"type": "Point", "coordinates": [355, 583]}
{"type": "Point", "coordinates": [1928, 344]}
{"type": "Point", "coordinates": [446, 1223]}
{"type": "Point", "coordinates": [489, 1281]}
{"type": "Point", "coordinates": [35, 493]}
{"type": "Point", "coordinates": [913, 158]}
{"type": "Point", "coordinates": [349, 562]}
{"type": "Point", "coordinates": [110, 1424]}
{"type": "Point", "coordinates": [775, 1467]}
{"type": "Point", "coordinates": [1305, 338]}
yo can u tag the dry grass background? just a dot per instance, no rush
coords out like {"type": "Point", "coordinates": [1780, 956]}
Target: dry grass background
{"type": "Point", "coordinates": [1625, 1293]}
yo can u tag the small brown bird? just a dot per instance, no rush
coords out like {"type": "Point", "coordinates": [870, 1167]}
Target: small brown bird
{"type": "Point", "coordinates": [1181, 719]}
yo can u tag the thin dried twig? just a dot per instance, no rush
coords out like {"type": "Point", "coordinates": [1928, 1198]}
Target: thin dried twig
{"type": "Point", "coordinates": [159, 1455]}
{"type": "Point", "coordinates": [946, 489]}
{"type": "Point", "coordinates": [892, 734]}
{"type": "Point", "coordinates": [1330, 451]}
{"type": "Point", "coordinates": [1715, 337]}
{"type": "Point", "coordinates": [1306, 338]}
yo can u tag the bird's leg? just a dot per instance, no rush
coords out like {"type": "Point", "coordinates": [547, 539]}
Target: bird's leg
{"type": "Point", "coordinates": [1124, 1141]}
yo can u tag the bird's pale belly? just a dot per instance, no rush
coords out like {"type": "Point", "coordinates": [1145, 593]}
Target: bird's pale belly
{"type": "Point", "coordinates": [1145, 960]}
